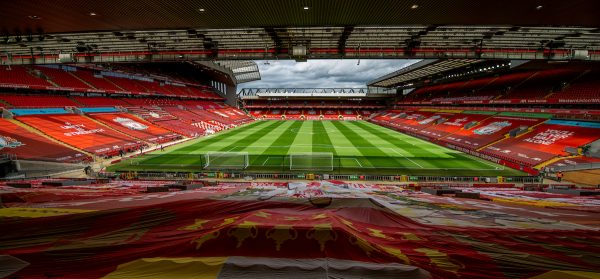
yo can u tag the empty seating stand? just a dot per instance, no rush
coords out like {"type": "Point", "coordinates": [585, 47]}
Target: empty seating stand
{"type": "Point", "coordinates": [129, 85]}
{"type": "Point", "coordinates": [97, 82]}
{"type": "Point", "coordinates": [135, 127]}
{"type": "Point", "coordinates": [21, 77]}
{"type": "Point", "coordinates": [541, 84]}
{"type": "Point", "coordinates": [99, 101]}
{"type": "Point", "coordinates": [16, 140]}
{"type": "Point", "coordinates": [543, 143]}
{"type": "Point", "coordinates": [152, 114]}
{"type": "Point", "coordinates": [193, 129]}
{"type": "Point", "coordinates": [454, 124]}
{"type": "Point", "coordinates": [83, 133]}
{"type": "Point", "coordinates": [488, 131]}
{"type": "Point", "coordinates": [63, 78]}
{"type": "Point", "coordinates": [585, 87]}
{"type": "Point", "coordinates": [37, 101]}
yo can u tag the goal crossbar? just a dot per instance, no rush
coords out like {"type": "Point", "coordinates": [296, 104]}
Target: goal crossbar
{"type": "Point", "coordinates": [308, 161]}
{"type": "Point", "coordinates": [226, 160]}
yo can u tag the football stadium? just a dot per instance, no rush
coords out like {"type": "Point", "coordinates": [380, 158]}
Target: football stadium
{"type": "Point", "coordinates": [300, 139]}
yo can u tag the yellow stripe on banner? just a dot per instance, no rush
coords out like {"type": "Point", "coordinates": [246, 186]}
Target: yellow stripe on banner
{"type": "Point", "coordinates": [159, 268]}
{"type": "Point", "coordinates": [30, 212]}
{"type": "Point", "coordinates": [428, 109]}
{"type": "Point", "coordinates": [531, 202]}
{"type": "Point", "coordinates": [450, 110]}
{"type": "Point", "coordinates": [567, 274]}
{"type": "Point", "coordinates": [441, 260]}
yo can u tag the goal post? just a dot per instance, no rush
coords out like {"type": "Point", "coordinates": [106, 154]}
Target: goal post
{"type": "Point", "coordinates": [307, 161]}
{"type": "Point", "coordinates": [225, 160]}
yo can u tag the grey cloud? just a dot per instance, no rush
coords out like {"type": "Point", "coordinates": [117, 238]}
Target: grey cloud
{"type": "Point", "coordinates": [323, 73]}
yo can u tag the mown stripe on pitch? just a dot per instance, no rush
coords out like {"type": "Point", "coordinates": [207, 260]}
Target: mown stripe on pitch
{"type": "Point", "coordinates": [341, 144]}
{"type": "Point", "coordinates": [357, 141]}
{"type": "Point", "coordinates": [398, 146]}
{"type": "Point", "coordinates": [320, 139]}
{"type": "Point", "coordinates": [303, 139]}
{"type": "Point", "coordinates": [221, 142]}
{"type": "Point", "coordinates": [432, 161]}
{"type": "Point", "coordinates": [183, 156]}
{"type": "Point", "coordinates": [407, 143]}
{"type": "Point", "coordinates": [282, 144]}
{"type": "Point", "coordinates": [174, 156]}
{"type": "Point", "coordinates": [419, 147]}
{"type": "Point", "coordinates": [378, 157]}
{"type": "Point", "coordinates": [251, 138]}
{"type": "Point", "coordinates": [219, 137]}
{"type": "Point", "coordinates": [259, 146]}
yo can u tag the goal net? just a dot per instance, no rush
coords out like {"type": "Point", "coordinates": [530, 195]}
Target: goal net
{"type": "Point", "coordinates": [225, 160]}
{"type": "Point", "coordinates": [322, 161]}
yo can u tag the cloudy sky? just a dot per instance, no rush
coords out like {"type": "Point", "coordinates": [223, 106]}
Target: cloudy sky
{"type": "Point", "coordinates": [340, 73]}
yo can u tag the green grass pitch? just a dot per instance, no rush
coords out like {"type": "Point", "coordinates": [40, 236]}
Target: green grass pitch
{"type": "Point", "coordinates": [358, 147]}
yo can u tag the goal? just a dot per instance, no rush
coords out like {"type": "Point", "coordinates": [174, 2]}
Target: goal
{"type": "Point", "coordinates": [226, 160]}
{"type": "Point", "coordinates": [321, 161]}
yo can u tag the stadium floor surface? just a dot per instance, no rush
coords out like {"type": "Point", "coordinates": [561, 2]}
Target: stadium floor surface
{"type": "Point", "coordinates": [355, 147]}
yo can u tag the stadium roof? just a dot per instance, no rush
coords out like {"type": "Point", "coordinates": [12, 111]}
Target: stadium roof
{"type": "Point", "coordinates": [420, 70]}
{"type": "Point", "coordinates": [62, 16]}
{"type": "Point", "coordinates": [416, 41]}
{"type": "Point", "coordinates": [36, 31]}
{"type": "Point", "coordinates": [250, 93]}
{"type": "Point", "coordinates": [244, 71]}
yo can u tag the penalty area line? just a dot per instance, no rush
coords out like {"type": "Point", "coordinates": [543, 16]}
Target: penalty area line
{"type": "Point", "coordinates": [406, 158]}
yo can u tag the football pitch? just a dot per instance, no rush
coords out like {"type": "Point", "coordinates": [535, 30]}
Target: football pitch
{"type": "Point", "coordinates": [342, 147]}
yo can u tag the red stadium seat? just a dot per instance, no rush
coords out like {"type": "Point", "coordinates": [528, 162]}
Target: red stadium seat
{"type": "Point", "coordinates": [97, 82]}
{"type": "Point", "coordinates": [99, 101]}
{"type": "Point", "coordinates": [63, 78]}
{"type": "Point", "coordinates": [22, 77]}
{"type": "Point", "coordinates": [38, 101]}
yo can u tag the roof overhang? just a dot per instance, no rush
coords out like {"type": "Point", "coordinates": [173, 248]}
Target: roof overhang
{"type": "Point", "coordinates": [255, 93]}
{"type": "Point", "coordinates": [66, 16]}
{"type": "Point", "coordinates": [244, 71]}
{"type": "Point", "coordinates": [420, 70]}
{"type": "Point", "coordinates": [391, 42]}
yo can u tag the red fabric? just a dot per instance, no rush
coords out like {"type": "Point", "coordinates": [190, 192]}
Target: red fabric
{"type": "Point", "coordinates": [147, 131]}
{"type": "Point", "coordinates": [574, 162]}
{"type": "Point", "coordinates": [91, 245]}
{"type": "Point", "coordinates": [81, 132]}
{"type": "Point", "coordinates": [27, 145]}
{"type": "Point", "coordinates": [452, 125]}
{"type": "Point", "coordinates": [480, 136]}
{"type": "Point", "coordinates": [543, 143]}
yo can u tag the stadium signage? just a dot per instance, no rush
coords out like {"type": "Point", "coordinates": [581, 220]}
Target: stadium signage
{"type": "Point", "coordinates": [79, 130]}
{"type": "Point", "coordinates": [474, 153]}
{"type": "Point", "coordinates": [8, 142]}
{"type": "Point", "coordinates": [549, 137]}
{"type": "Point", "coordinates": [10, 85]}
{"type": "Point", "coordinates": [534, 101]}
{"type": "Point", "coordinates": [589, 100]}
{"type": "Point", "coordinates": [130, 124]}
{"type": "Point", "coordinates": [508, 101]}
